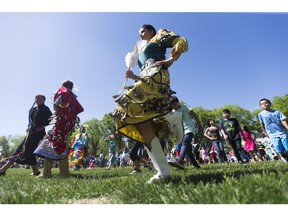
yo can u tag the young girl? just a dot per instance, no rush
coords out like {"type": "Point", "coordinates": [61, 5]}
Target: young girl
{"type": "Point", "coordinates": [250, 145]}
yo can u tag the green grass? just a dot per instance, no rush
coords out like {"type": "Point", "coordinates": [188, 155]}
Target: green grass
{"type": "Point", "coordinates": [255, 183]}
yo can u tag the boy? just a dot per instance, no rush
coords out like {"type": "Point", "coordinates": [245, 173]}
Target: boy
{"type": "Point", "coordinates": [231, 130]}
{"type": "Point", "coordinates": [274, 126]}
{"type": "Point", "coordinates": [189, 128]}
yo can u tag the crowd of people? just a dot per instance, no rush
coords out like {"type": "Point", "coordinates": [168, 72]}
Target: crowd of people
{"type": "Point", "coordinates": [145, 114]}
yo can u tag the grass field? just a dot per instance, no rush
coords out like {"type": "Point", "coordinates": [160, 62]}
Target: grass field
{"type": "Point", "coordinates": [254, 183]}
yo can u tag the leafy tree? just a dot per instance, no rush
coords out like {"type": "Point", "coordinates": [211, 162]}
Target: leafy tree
{"type": "Point", "coordinates": [256, 122]}
{"type": "Point", "coordinates": [109, 126]}
{"type": "Point", "coordinates": [280, 103]}
{"type": "Point", "coordinates": [15, 141]}
{"type": "Point", "coordinates": [96, 131]}
{"type": "Point", "coordinates": [4, 146]}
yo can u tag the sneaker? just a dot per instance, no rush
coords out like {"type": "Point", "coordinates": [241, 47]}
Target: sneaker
{"type": "Point", "coordinates": [40, 175]}
{"type": "Point", "coordinates": [284, 159]}
{"type": "Point", "coordinates": [196, 166]}
{"type": "Point", "coordinates": [177, 164]}
{"type": "Point", "coordinates": [135, 171]}
{"type": "Point", "coordinates": [35, 174]}
{"type": "Point", "coordinates": [157, 177]}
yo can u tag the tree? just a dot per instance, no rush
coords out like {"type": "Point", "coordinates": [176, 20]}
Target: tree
{"type": "Point", "coordinates": [4, 146]}
{"type": "Point", "coordinates": [109, 126]}
{"type": "Point", "coordinates": [15, 141]}
{"type": "Point", "coordinates": [280, 103]}
{"type": "Point", "coordinates": [96, 131]}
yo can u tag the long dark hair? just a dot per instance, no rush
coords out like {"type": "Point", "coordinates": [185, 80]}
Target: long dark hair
{"type": "Point", "coordinates": [245, 128]}
{"type": "Point", "coordinates": [208, 122]}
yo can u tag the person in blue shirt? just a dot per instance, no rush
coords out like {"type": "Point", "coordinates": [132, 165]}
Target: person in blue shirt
{"type": "Point", "coordinates": [274, 126]}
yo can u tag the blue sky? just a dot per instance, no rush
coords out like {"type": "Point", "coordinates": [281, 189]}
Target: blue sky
{"type": "Point", "coordinates": [233, 58]}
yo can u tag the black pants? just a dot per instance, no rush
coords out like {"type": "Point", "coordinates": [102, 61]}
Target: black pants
{"type": "Point", "coordinates": [137, 151]}
{"type": "Point", "coordinates": [238, 149]}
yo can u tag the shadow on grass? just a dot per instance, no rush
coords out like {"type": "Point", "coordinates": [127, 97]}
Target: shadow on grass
{"type": "Point", "coordinates": [96, 176]}
{"type": "Point", "coordinates": [220, 176]}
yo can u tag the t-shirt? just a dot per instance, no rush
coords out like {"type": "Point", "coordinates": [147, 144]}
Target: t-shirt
{"type": "Point", "coordinates": [112, 147]}
{"type": "Point", "coordinates": [188, 121]}
{"type": "Point", "coordinates": [231, 128]}
{"type": "Point", "coordinates": [273, 123]}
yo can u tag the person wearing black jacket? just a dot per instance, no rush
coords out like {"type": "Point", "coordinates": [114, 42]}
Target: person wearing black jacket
{"type": "Point", "coordinates": [39, 118]}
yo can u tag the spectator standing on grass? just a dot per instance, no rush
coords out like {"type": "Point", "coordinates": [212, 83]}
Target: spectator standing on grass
{"type": "Point", "coordinates": [250, 146]}
{"type": "Point", "coordinates": [231, 131]}
{"type": "Point", "coordinates": [260, 148]}
{"type": "Point", "coordinates": [189, 129]}
{"type": "Point", "coordinates": [274, 125]}
{"type": "Point", "coordinates": [102, 159]}
{"type": "Point", "coordinates": [213, 133]}
{"type": "Point", "coordinates": [112, 152]}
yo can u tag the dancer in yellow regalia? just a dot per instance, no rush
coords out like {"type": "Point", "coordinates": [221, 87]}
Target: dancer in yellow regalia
{"type": "Point", "coordinates": [144, 111]}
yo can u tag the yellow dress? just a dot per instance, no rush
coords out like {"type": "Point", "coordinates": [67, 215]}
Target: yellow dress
{"type": "Point", "coordinates": [149, 98]}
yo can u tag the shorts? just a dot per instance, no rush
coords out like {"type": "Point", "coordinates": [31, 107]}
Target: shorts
{"type": "Point", "coordinates": [280, 144]}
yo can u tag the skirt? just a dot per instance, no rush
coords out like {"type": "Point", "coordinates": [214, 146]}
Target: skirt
{"type": "Point", "coordinates": [54, 145]}
{"type": "Point", "coordinates": [148, 99]}
{"type": "Point", "coordinates": [249, 145]}
{"type": "Point", "coordinates": [47, 150]}
{"type": "Point", "coordinates": [24, 153]}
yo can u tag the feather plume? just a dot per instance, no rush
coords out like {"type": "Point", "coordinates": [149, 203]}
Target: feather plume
{"type": "Point", "coordinates": [131, 59]}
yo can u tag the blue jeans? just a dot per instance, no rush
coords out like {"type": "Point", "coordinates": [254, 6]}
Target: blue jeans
{"type": "Point", "coordinates": [220, 150]}
{"type": "Point", "coordinates": [186, 148]}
